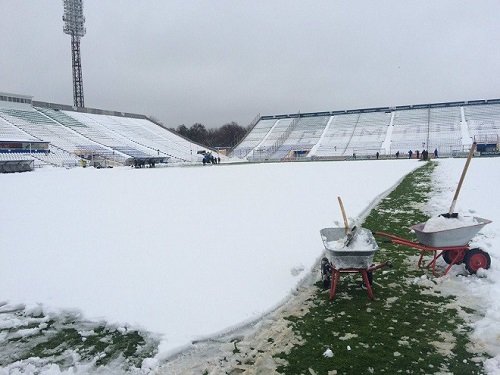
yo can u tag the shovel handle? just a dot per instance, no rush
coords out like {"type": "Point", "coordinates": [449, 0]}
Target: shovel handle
{"type": "Point", "coordinates": [344, 216]}
{"type": "Point", "coordinates": [455, 197]}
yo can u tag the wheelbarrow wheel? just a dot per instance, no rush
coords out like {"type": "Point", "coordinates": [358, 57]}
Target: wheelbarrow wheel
{"type": "Point", "coordinates": [449, 255]}
{"type": "Point", "coordinates": [326, 273]}
{"type": "Point", "coordinates": [475, 259]}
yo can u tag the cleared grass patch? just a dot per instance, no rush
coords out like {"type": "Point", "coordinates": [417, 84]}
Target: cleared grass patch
{"type": "Point", "coordinates": [406, 329]}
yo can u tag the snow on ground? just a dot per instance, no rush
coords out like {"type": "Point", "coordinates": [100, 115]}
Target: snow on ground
{"type": "Point", "coordinates": [478, 197]}
{"type": "Point", "coordinates": [181, 252]}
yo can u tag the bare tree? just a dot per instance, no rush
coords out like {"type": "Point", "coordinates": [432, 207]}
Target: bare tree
{"type": "Point", "coordinates": [228, 135]}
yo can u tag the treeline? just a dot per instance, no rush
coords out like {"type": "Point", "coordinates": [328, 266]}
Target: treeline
{"type": "Point", "coordinates": [226, 136]}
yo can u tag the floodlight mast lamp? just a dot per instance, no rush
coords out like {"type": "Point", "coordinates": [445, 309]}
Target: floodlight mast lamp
{"type": "Point", "coordinates": [74, 25]}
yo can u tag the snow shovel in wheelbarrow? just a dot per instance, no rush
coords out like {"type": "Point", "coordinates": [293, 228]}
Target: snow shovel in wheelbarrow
{"type": "Point", "coordinates": [350, 232]}
{"type": "Point", "coordinates": [450, 213]}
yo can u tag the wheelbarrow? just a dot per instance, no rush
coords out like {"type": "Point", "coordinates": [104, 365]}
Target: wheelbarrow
{"type": "Point", "coordinates": [450, 244]}
{"type": "Point", "coordinates": [356, 257]}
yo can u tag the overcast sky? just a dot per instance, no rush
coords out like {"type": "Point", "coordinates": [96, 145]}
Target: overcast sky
{"type": "Point", "coordinates": [218, 61]}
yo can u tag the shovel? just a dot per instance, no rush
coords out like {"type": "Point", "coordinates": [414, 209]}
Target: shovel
{"type": "Point", "coordinates": [450, 213]}
{"type": "Point", "coordinates": [350, 232]}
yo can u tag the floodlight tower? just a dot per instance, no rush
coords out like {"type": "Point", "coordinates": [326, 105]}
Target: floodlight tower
{"type": "Point", "coordinates": [73, 25]}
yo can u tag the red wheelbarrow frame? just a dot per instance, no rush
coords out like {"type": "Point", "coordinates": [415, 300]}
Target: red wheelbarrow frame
{"type": "Point", "coordinates": [364, 273]}
{"type": "Point", "coordinates": [457, 255]}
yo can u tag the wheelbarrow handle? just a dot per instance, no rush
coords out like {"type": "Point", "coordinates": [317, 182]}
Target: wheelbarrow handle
{"type": "Point", "coordinates": [455, 197]}
{"type": "Point", "coordinates": [389, 237]}
{"type": "Point", "coordinates": [344, 216]}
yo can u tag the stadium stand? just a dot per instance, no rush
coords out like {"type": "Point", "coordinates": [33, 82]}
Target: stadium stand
{"type": "Point", "coordinates": [337, 136]}
{"type": "Point", "coordinates": [118, 147]}
{"type": "Point", "coordinates": [369, 134]}
{"type": "Point", "coordinates": [483, 120]}
{"type": "Point", "coordinates": [448, 127]}
{"type": "Point", "coordinates": [142, 135]}
{"type": "Point", "coordinates": [302, 138]}
{"type": "Point", "coordinates": [253, 139]}
{"type": "Point", "coordinates": [445, 130]}
{"type": "Point", "coordinates": [273, 137]}
{"type": "Point", "coordinates": [411, 130]}
{"type": "Point", "coordinates": [484, 126]}
{"type": "Point", "coordinates": [11, 132]}
{"type": "Point", "coordinates": [103, 138]}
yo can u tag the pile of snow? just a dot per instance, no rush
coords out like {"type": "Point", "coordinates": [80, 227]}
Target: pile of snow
{"type": "Point", "coordinates": [362, 240]}
{"type": "Point", "coordinates": [440, 223]}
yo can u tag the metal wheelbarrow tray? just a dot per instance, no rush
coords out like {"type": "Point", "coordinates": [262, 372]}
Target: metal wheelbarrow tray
{"type": "Point", "coordinates": [449, 237]}
{"type": "Point", "coordinates": [349, 257]}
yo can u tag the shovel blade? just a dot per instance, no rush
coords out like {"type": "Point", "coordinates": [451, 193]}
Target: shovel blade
{"type": "Point", "coordinates": [454, 215]}
{"type": "Point", "coordinates": [350, 236]}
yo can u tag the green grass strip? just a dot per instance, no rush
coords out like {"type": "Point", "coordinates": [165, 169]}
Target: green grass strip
{"type": "Point", "coordinates": [404, 330]}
